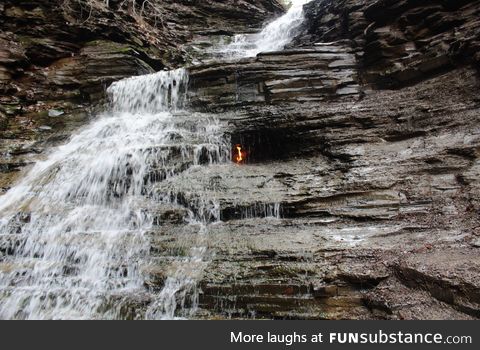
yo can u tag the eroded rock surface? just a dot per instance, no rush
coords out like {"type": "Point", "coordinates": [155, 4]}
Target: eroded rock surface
{"type": "Point", "coordinates": [359, 196]}
{"type": "Point", "coordinates": [399, 42]}
{"type": "Point", "coordinates": [57, 58]}
{"type": "Point", "coordinates": [365, 133]}
{"type": "Point", "coordinates": [317, 73]}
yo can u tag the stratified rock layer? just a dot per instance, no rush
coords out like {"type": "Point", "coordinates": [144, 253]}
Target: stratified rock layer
{"type": "Point", "coordinates": [359, 197]}
{"type": "Point", "coordinates": [366, 134]}
{"type": "Point", "coordinates": [316, 73]}
{"type": "Point", "coordinates": [399, 42]}
{"type": "Point", "coordinates": [57, 58]}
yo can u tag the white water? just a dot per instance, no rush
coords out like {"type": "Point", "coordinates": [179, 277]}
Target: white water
{"type": "Point", "coordinates": [84, 241]}
{"type": "Point", "coordinates": [274, 37]}
{"type": "Point", "coordinates": [74, 233]}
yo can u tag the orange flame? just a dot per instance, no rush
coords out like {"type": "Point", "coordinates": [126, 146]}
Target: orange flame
{"type": "Point", "coordinates": [240, 155]}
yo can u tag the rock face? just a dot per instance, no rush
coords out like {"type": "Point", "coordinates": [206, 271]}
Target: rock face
{"type": "Point", "coordinates": [363, 138]}
{"type": "Point", "coordinates": [365, 189]}
{"type": "Point", "coordinates": [399, 42]}
{"type": "Point", "coordinates": [57, 57]}
{"type": "Point", "coordinates": [317, 73]}
{"type": "Point", "coordinates": [359, 195]}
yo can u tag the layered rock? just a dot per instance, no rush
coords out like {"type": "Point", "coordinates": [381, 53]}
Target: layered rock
{"type": "Point", "coordinates": [399, 42]}
{"type": "Point", "coordinates": [375, 190]}
{"type": "Point", "coordinates": [359, 196]}
{"type": "Point", "coordinates": [317, 73]}
{"type": "Point", "coordinates": [57, 58]}
{"type": "Point", "coordinates": [365, 188]}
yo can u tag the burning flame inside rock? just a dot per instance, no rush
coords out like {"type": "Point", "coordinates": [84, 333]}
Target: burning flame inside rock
{"type": "Point", "coordinates": [239, 154]}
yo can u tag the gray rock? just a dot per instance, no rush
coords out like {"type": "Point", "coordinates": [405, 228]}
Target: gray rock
{"type": "Point", "coordinates": [55, 113]}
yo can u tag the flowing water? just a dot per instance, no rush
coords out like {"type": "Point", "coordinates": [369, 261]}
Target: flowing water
{"type": "Point", "coordinates": [274, 37]}
{"type": "Point", "coordinates": [75, 232]}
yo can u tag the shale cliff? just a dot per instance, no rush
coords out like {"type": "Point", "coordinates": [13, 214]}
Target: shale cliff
{"type": "Point", "coordinates": [57, 57]}
{"type": "Point", "coordinates": [366, 131]}
{"type": "Point", "coordinates": [358, 198]}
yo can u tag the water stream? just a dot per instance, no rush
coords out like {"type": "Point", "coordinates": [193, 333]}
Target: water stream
{"type": "Point", "coordinates": [75, 231]}
{"type": "Point", "coordinates": [274, 37]}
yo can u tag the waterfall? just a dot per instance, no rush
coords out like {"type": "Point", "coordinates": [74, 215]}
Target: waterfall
{"type": "Point", "coordinates": [274, 37]}
{"type": "Point", "coordinates": [75, 232]}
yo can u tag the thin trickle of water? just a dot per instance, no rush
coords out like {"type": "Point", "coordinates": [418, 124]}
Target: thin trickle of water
{"type": "Point", "coordinates": [75, 238]}
{"type": "Point", "coordinates": [262, 210]}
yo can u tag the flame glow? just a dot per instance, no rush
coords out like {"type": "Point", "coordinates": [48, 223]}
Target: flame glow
{"type": "Point", "coordinates": [239, 154]}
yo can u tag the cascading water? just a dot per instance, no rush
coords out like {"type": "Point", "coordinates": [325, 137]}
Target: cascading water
{"type": "Point", "coordinates": [74, 229]}
{"type": "Point", "coordinates": [274, 37]}
{"type": "Point", "coordinates": [74, 233]}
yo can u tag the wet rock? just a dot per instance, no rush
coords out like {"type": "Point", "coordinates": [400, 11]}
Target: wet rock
{"type": "Point", "coordinates": [55, 113]}
{"type": "Point", "coordinates": [318, 73]}
{"type": "Point", "coordinates": [58, 56]}
{"type": "Point", "coordinates": [355, 201]}
{"type": "Point", "coordinates": [476, 243]}
{"type": "Point", "coordinates": [398, 43]}
{"type": "Point", "coordinates": [450, 276]}
{"type": "Point", "coordinates": [393, 300]}
{"type": "Point", "coordinates": [372, 186]}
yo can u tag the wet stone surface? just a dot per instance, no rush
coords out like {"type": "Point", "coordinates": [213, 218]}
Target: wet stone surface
{"type": "Point", "coordinates": [358, 198]}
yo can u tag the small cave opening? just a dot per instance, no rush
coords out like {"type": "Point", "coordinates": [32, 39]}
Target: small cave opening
{"type": "Point", "coordinates": [263, 145]}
